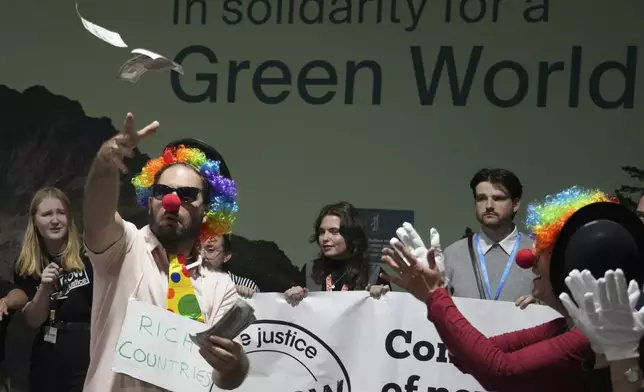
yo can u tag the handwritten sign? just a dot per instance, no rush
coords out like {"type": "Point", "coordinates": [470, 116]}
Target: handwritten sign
{"type": "Point", "coordinates": [154, 347]}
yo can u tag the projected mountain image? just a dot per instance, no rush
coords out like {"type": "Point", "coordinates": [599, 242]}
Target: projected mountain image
{"type": "Point", "coordinates": [48, 141]}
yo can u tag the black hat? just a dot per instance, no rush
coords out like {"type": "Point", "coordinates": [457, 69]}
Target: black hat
{"type": "Point", "coordinates": [599, 237]}
{"type": "Point", "coordinates": [210, 152]}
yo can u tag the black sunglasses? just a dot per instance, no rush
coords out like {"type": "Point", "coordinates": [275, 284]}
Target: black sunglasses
{"type": "Point", "coordinates": [187, 194]}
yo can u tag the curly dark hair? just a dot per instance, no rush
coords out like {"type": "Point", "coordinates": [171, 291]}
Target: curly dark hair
{"type": "Point", "coordinates": [352, 230]}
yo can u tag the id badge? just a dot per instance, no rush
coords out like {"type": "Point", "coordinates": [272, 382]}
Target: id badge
{"type": "Point", "coordinates": [50, 335]}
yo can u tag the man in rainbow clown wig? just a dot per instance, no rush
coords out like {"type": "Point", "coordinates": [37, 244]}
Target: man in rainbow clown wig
{"type": "Point", "coordinates": [190, 197]}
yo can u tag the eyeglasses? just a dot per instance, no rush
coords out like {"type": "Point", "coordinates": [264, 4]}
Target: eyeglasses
{"type": "Point", "coordinates": [187, 194]}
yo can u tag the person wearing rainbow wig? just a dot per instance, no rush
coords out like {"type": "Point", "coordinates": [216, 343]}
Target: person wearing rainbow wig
{"type": "Point", "coordinates": [548, 357]}
{"type": "Point", "coordinates": [545, 220]}
{"type": "Point", "coordinates": [190, 197]}
{"type": "Point", "coordinates": [219, 192]}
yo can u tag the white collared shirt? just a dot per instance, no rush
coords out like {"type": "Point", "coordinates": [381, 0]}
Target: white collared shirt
{"type": "Point", "coordinates": [137, 266]}
{"type": "Point", "coordinates": [506, 244]}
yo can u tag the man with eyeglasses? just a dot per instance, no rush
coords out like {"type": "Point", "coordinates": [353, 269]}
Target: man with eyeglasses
{"type": "Point", "coordinates": [190, 198]}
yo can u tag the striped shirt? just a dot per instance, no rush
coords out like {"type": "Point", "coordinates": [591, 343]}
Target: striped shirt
{"type": "Point", "coordinates": [239, 281]}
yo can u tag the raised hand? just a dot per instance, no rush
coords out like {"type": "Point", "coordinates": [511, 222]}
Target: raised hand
{"type": "Point", "coordinates": [584, 282]}
{"type": "Point", "coordinates": [122, 145]}
{"type": "Point", "coordinates": [50, 275]}
{"type": "Point", "coordinates": [435, 243]}
{"type": "Point", "coordinates": [606, 315]}
{"type": "Point", "coordinates": [418, 278]}
{"type": "Point", "coordinates": [410, 238]}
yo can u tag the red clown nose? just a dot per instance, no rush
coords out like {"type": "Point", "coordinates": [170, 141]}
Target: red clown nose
{"type": "Point", "coordinates": [171, 202]}
{"type": "Point", "coordinates": [525, 258]}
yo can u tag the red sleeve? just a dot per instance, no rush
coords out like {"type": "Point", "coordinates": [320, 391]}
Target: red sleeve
{"type": "Point", "coordinates": [516, 340]}
{"type": "Point", "coordinates": [497, 370]}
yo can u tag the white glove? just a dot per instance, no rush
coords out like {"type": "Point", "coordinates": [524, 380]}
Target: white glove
{"type": "Point", "coordinates": [435, 243]}
{"type": "Point", "coordinates": [410, 238]}
{"type": "Point", "coordinates": [584, 282]}
{"type": "Point", "coordinates": [580, 284]}
{"type": "Point", "coordinates": [607, 316]}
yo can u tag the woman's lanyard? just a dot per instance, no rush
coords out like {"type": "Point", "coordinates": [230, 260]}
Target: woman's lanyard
{"type": "Point", "coordinates": [330, 284]}
{"type": "Point", "coordinates": [508, 266]}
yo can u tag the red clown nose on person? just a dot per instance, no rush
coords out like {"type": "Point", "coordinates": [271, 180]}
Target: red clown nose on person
{"type": "Point", "coordinates": [525, 258]}
{"type": "Point", "coordinates": [171, 202]}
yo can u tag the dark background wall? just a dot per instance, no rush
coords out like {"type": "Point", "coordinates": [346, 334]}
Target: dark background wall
{"type": "Point", "coordinates": [47, 140]}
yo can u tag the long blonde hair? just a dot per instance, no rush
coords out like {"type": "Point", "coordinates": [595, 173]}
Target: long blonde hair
{"type": "Point", "coordinates": [30, 261]}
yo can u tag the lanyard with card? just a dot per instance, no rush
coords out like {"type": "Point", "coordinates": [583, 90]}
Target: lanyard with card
{"type": "Point", "coordinates": [506, 272]}
{"type": "Point", "coordinates": [51, 332]}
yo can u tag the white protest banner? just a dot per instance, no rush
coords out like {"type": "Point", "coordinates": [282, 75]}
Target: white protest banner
{"type": "Point", "coordinates": [154, 347]}
{"type": "Point", "coordinates": [330, 342]}
{"type": "Point", "coordinates": [349, 342]}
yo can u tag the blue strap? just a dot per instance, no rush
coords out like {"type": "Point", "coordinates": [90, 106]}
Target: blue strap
{"type": "Point", "coordinates": [508, 266]}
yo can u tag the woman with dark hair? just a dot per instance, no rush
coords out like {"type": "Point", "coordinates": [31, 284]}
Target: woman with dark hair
{"type": "Point", "coordinates": [342, 264]}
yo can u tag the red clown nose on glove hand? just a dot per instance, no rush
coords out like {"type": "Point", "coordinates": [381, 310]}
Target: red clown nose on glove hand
{"type": "Point", "coordinates": [525, 258]}
{"type": "Point", "coordinates": [171, 202]}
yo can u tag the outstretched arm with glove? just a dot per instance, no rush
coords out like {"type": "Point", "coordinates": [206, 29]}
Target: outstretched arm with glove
{"type": "Point", "coordinates": [604, 310]}
{"type": "Point", "coordinates": [541, 366]}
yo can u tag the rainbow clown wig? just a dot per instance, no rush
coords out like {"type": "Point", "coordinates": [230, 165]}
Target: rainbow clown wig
{"type": "Point", "coordinates": [546, 219]}
{"type": "Point", "coordinates": [221, 209]}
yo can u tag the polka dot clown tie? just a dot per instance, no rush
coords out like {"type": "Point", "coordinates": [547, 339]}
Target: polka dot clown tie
{"type": "Point", "coordinates": [181, 295]}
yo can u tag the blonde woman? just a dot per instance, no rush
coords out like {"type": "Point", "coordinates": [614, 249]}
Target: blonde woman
{"type": "Point", "coordinates": [57, 278]}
